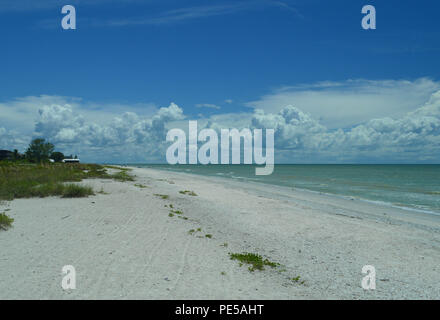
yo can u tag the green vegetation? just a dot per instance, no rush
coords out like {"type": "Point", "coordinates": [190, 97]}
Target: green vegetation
{"type": "Point", "coordinates": [297, 280]}
{"type": "Point", "coordinates": [224, 245]}
{"type": "Point", "coordinates": [39, 150]}
{"type": "Point", "coordinates": [188, 192]}
{"type": "Point", "coordinates": [26, 180]}
{"type": "Point", "coordinates": [75, 191]}
{"type": "Point", "coordinates": [209, 236]}
{"type": "Point", "coordinates": [122, 176]}
{"type": "Point", "coordinates": [191, 231]}
{"type": "Point", "coordinates": [57, 156]}
{"type": "Point", "coordinates": [163, 196]}
{"type": "Point", "coordinates": [170, 215]}
{"type": "Point", "coordinates": [177, 211]}
{"type": "Point", "coordinates": [139, 185]}
{"type": "Point", "coordinates": [255, 260]}
{"type": "Point", "coordinates": [5, 221]}
{"type": "Point", "coordinates": [34, 176]}
{"type": "Point", "coordinates": [223, 273]}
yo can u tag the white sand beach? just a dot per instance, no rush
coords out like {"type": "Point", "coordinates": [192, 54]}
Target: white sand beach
{"type": "Point", "coordinates": [124, 245]}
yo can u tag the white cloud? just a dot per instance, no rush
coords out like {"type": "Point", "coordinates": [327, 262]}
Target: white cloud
{"type": "Point", "coordinates": [134, 136]}
{"type": "Point", "coordinates": [100, 132]}
{"type": "Point", "coordinates": [21, 113]}
{"type": "Point", "coordinates": [11, 140]}
{"type": "Point", "coordinates": [208, 105]}
{"type": "Point", "coordinates": [348, 103]}
{"type": "Point", "coordinates": [410, 138]}
{"type": "Point", "coordinates": [63, 126]}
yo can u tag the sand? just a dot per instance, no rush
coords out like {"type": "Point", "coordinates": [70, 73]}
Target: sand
{"type": "Point", "coordinates": [124, 245]}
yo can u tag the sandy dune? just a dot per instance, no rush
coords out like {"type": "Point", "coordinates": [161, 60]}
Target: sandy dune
{"type": "Point", "coordinates": [124, 245]}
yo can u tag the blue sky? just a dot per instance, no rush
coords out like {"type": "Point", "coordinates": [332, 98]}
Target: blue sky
{"type": "Point", "coordinates": [219, 61]}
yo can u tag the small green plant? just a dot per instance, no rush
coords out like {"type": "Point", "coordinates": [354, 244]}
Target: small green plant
{"type": "Point", "coordinates": [163, 196]}
{"type": "Point", "coordinates": [223, 273]}
{"type": "Point", "coordinates": [256, 261]}
{"type": "Point", "coordinates": [170, 215]}
{"type": "Point", "coordinates": [177, 211]}
{"type": "Point", "coordinates": [5, 221]}
{"type": "Point", "coordinates": [209, 236]}
{"type": "Point", "coordinates": [224, 245]}
{"type": "Point", "coordinates": [171, 206]}
{"type": "Point", "coordinates": [188, 192]}
{"type": "Point", "coordinates": [297, 280]}
{"type": "Point", "coordinates": [139, 185]}
{"type": "Point", "coordinates": [181, 217]}
{"type": "Point", "coordinates": [191, 231]}
{"type": "Point", "coordinates": [199, 229]}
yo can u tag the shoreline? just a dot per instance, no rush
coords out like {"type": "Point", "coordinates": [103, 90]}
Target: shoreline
{"type": "Point", "coordinates": [125, 245]}
{"type": "Point", "coordinates": [412, 208]}
{"type": "Point", "coordinates": [400, 213]}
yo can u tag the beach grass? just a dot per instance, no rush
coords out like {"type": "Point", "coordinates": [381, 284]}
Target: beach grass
{"type": "Point", "coordinates": [188, 192]}
{"type": "Point", "coordinates": [5, 221]}
{"type": "Point", "coordinates": [163, 196]}
{"type": "Point", "coordinates": [122, 176]}
{"type": "Point", "coordinates": [256, 261]}
{"type": "Point", "coordinates": [69, 190]}
{"type": "Point", "coordinates": [297, 280]}
{"type": "Point", "coordinates": [140, 185]}
{"type": "Point", "coordinates": [26, 180]}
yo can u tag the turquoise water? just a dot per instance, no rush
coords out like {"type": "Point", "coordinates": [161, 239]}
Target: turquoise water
{"type": "Point", "coordinates": [411, 186]}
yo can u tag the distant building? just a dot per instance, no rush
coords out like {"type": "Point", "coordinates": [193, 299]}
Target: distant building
{"type": "Point", "coordinates": [6, 155]}
{"type": "Point", "coordinates": [70, 160]}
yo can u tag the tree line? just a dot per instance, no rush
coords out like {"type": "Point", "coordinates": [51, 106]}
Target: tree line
{"type": "Point", "coordinates": [39, 150]}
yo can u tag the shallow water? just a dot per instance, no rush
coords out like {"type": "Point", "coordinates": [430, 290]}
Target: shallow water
{"type": "Point", "coordinates": [409, 186]}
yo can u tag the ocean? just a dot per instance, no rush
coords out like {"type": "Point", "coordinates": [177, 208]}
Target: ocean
{"type": "Point", "coordinates": [414, 187]}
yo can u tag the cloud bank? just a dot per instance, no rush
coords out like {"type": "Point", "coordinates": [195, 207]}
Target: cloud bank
{"type": "Point", "coordinates": [415, 137]}
{"type": "Point", "coordinates": [348, 103]}
{"type": "Point", "coordinates": [117, 135]}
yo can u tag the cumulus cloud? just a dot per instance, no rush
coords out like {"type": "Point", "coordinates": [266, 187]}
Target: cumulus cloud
{"type": "Point", "coordinates": [413, 137]}
{"type": "Point", "coordinates": [127, 136]}
{"type": "Point", "coordinates": [347, 103]}
{"type": "Point", "coordinates": [299, 135]}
